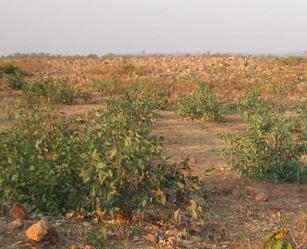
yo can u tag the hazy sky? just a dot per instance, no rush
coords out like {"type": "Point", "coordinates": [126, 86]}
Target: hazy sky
{"type": "Point", "coordinates": [162, 26]}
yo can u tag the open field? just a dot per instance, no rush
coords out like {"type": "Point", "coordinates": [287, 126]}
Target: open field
{"type": "Point", "coordinates": [232, 217]}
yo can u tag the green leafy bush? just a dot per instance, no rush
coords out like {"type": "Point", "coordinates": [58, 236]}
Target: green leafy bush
{"type": "Point", "coordinates": [204, 103]}
{"type": "Point", "coordinates": [13, 77]}
{"type": "Point", "coordinates": [61, 92]}
{"type": "Point", "coordinates": [10, 70]}
{"type": "Point", "coordinates": [267, 149]}
{"type": "Point", "coordinates": [105, 160]}
{"type": "Point", "coordinates": [157, 100]}
{"type": "Point", "coordinates": [278, 240]}
{"type": "Point", "coordinates": [251, 105]}
{"type": "Point", "coordinates": [97, 239]}
{"type": "Point", "coordinates": [128, 169]}
{"type": "Point", "coordinates": [160, 100]}
{"type": "Point", "coordinates": [15, 82]}
{"type": "Point", "coordinates": [40, 161]}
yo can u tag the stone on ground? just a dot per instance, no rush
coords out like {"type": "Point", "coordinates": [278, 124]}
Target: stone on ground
{"type": "Point", "coordinates": [41, 230]}
{"type": "Point", "coordinates": [17, 211]}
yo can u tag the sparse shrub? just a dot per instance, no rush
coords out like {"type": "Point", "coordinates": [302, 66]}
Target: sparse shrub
{"type": "Point", "coordinates": [105, 160]}
{"type": "Point", "coordinates": [10, 70]}
{"type": "Point", "coordinates": [103, 85]}
{"type": "Point", "coordinates": [13, 77]}
{"type": "Point", "coordinates": [293, 60]}
{"type": "Point", "coordinates": [59, 92]}
{"type": "Point", "coordinates": [98, 239]}
{"type": "Point", "coordinates": [267, 149]}
{"type": "Point", "coordinates": [301, 120]}
{"type": "Point", "coordinates": [159, 100]}
{"type": "Point", "coordinates": [15, 82]}
{"type": "Point", "coordinates": [128, 169]}
{"type": "Point", "coordinates": [276, 89]}
{"type": "Point", "coordinates": [156, 99]}
{"type": "Point", "coordinates": [128, 68]}
{"type": "Point", "coordinates": [251, 105]}
{"type": "Point", "coordinates": [278, 240]}
{"type": "Point", "coordinates": [40, 160]}
{"type": "Point", "coordinates": [204, 103]}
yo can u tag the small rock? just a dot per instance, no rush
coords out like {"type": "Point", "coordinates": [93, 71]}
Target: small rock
{"type": "Point", "coordinates": [251, 190]}
{"type": "Point", "coordinates": [3, 227]}
{"type": "Point", "coordinates": [261, 197]}
{"type": "Point", "coordinates": [18, 212]}
{"type": "Point", "coordinates": [41, 230]}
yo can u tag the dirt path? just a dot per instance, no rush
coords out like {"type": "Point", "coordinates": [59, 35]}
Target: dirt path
{"type": "Point", "coordinates": [198, 139]}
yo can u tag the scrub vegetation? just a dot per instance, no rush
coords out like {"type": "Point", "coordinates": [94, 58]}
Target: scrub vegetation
{"type": "Point", "coordinates": [154, 151]}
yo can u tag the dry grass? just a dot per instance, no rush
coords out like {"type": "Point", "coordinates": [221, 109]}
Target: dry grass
{"type": "Point", "coordinates": [232, 218]}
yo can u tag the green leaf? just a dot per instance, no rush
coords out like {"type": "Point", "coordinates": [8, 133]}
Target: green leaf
{"type": "Point", "coordinates": [180, 185]}
{"type": "Point", "coordinates": [163, 200]}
